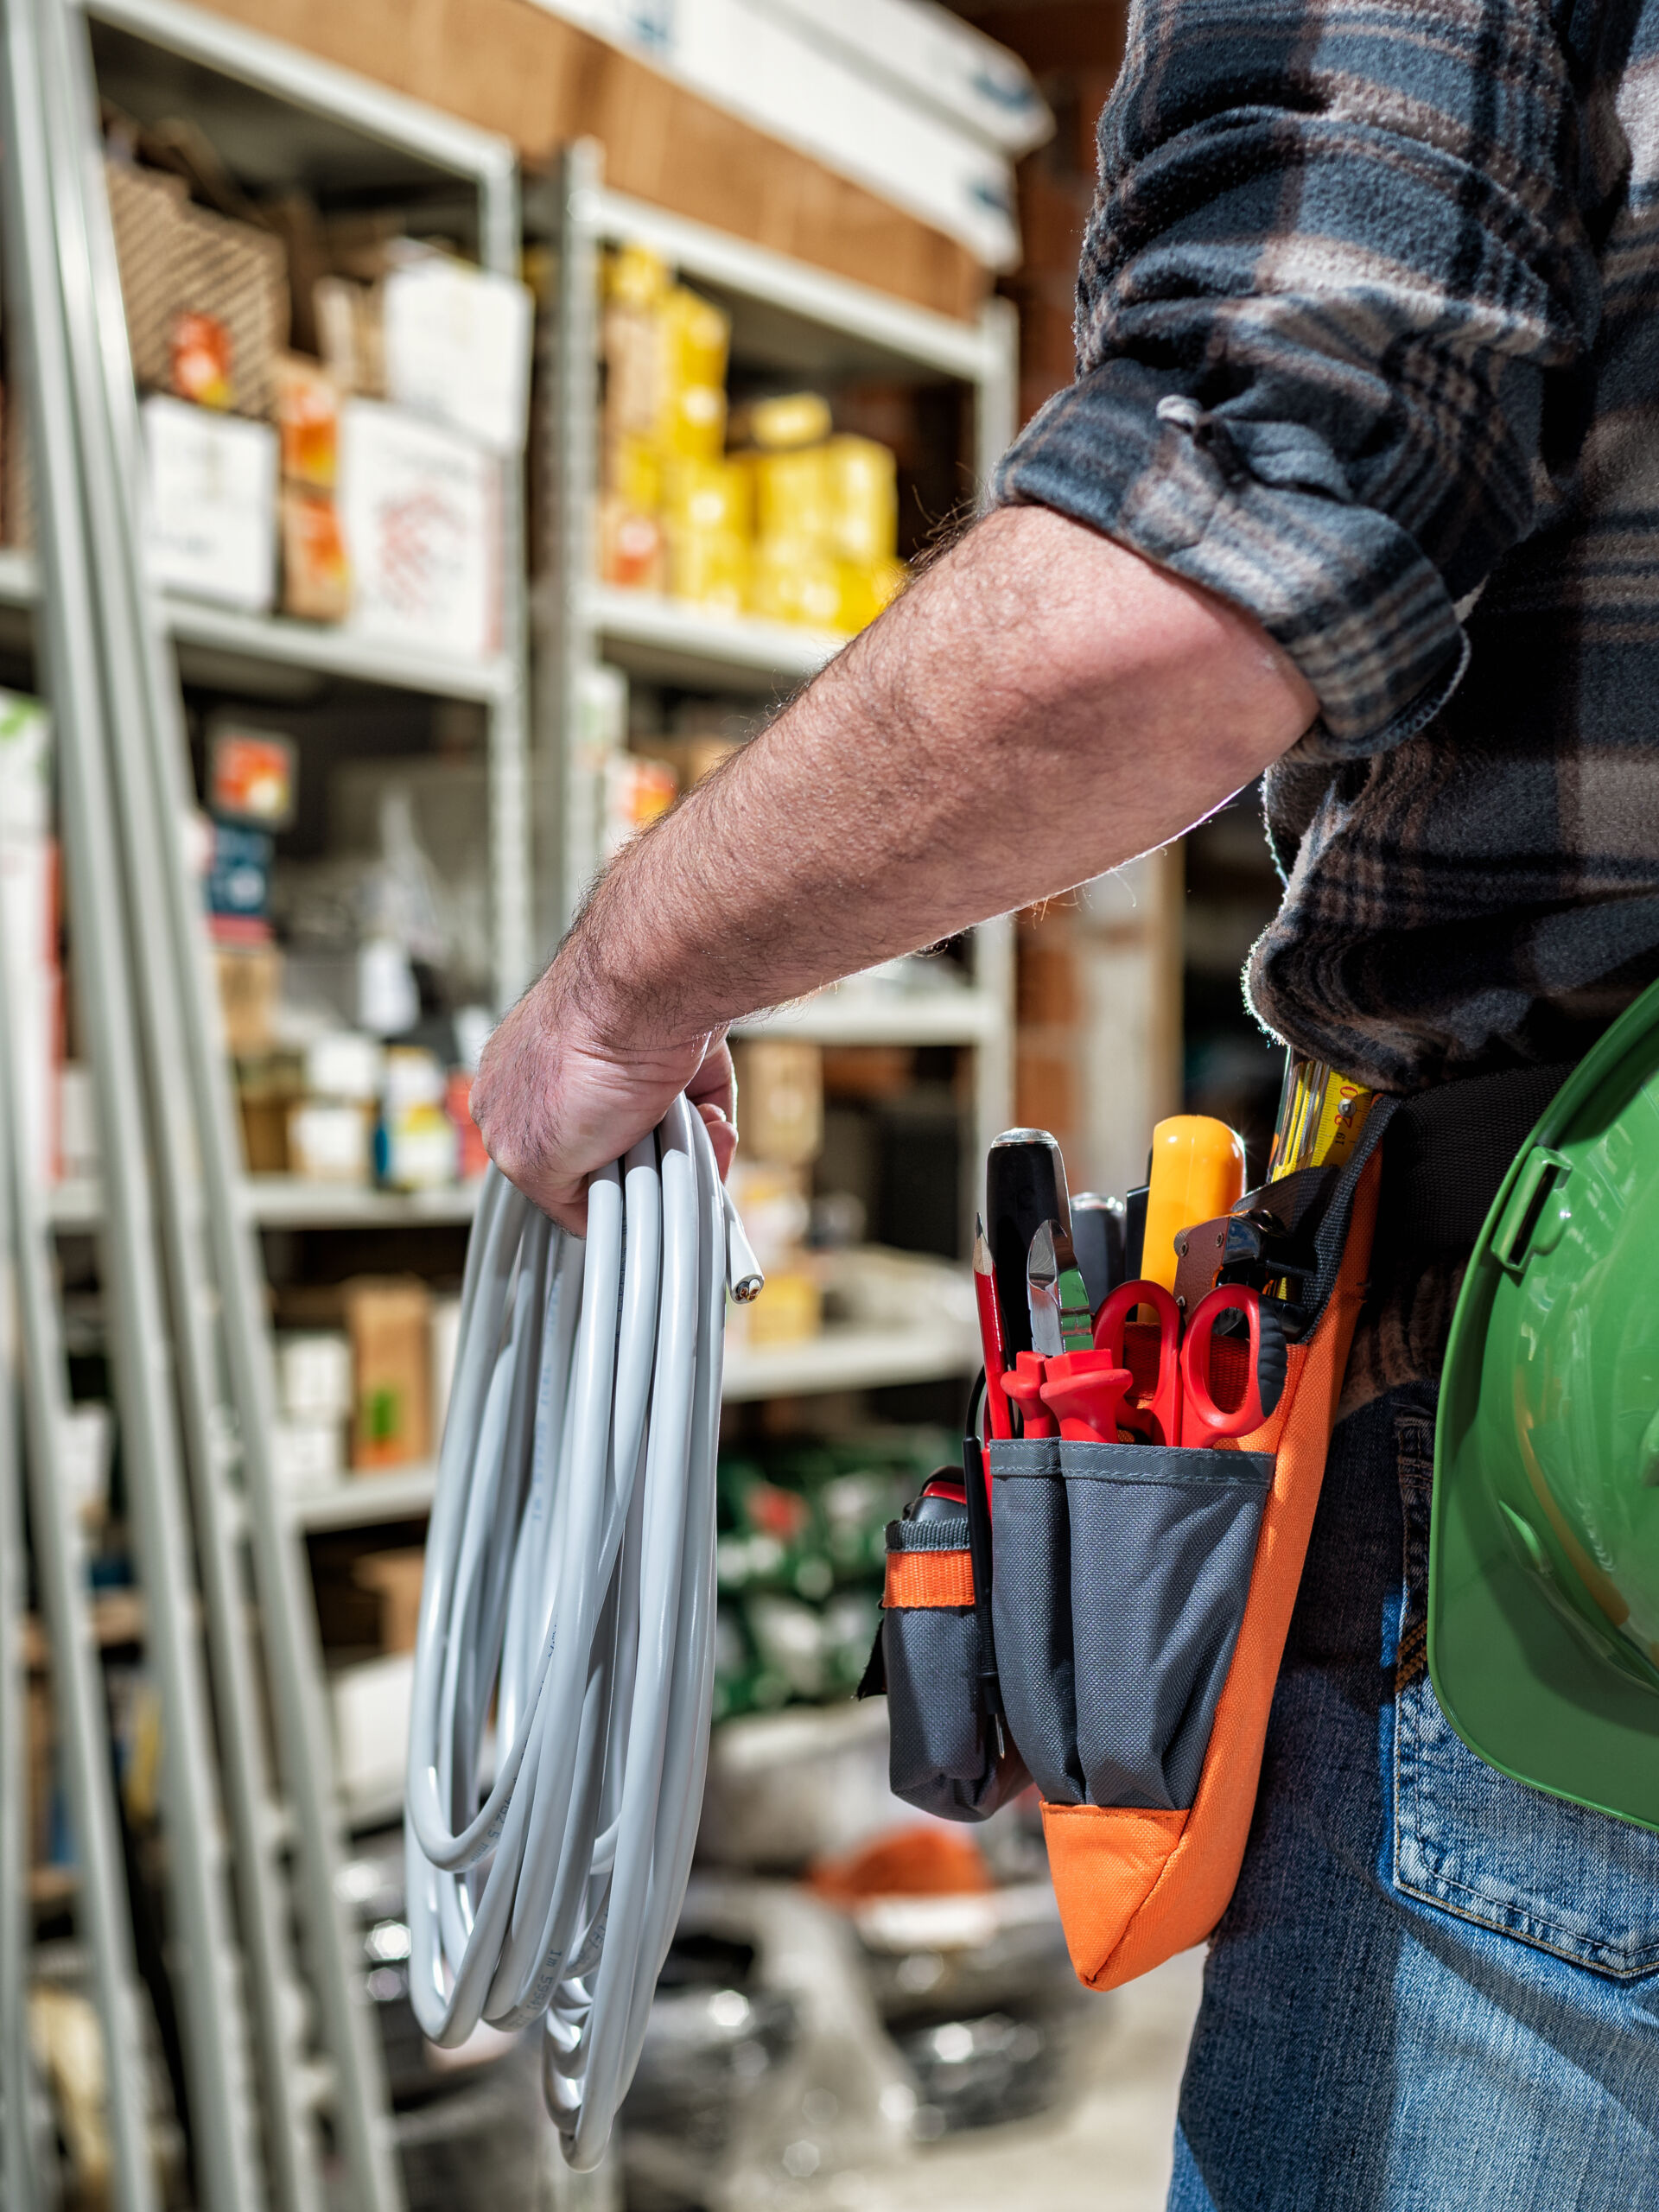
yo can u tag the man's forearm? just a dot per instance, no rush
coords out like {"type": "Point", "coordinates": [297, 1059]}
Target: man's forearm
{"type": "Point", "coordinates": [1041, 706]}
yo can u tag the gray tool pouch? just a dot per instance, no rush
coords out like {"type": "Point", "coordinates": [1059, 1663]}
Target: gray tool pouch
{"type": "Point", "coordinates": [1121, 1575]}
{"type": "Point", "coordinates": [944, 1758]}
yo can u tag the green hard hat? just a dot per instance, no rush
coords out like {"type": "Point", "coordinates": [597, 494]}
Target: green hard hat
{"type": "Point", "coordinates": [1543, 1595]}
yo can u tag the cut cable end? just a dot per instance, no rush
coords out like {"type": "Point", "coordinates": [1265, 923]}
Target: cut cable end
{"type": "Point", "coordinates": [744, 1278]}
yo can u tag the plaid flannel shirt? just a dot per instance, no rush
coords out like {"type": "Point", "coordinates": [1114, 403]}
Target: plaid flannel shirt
{"type": "Point", "coordinates": [1368, 330]}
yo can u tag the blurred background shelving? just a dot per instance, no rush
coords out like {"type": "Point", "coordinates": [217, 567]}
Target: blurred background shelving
{"type": "Point", "coordinates": [455, 803]}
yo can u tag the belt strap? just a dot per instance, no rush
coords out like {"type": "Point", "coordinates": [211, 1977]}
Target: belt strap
{"type": "Point", "coordinates": [1446, 1152]}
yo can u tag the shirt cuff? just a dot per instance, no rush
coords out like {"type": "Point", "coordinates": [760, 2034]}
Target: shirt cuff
{"type": "Point", "coordinates": [1260, 512]}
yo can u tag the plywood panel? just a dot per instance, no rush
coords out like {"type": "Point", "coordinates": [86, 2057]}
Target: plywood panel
{"type": "Point", "coordinates": [510, 66]}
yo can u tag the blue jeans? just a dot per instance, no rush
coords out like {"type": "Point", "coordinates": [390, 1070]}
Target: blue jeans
{"type": "Point", "coordinates": [1434, 1988]}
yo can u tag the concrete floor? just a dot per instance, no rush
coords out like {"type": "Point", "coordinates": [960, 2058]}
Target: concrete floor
{"type": "Point", "coordinates": [1111, 2152]}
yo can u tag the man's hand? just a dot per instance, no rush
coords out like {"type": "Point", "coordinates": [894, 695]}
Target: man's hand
{"type": "Point", "coordinates": [553, 1103]}
{"type": "Point", "coordinates": [1041, 705]}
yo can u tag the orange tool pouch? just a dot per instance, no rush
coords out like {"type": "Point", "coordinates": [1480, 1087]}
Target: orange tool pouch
{"type": "Point", "coordinates": [1141, 1598]}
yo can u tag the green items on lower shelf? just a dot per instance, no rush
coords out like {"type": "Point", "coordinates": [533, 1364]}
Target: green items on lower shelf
{"type": "Point", "coordinates": [800, 1557]}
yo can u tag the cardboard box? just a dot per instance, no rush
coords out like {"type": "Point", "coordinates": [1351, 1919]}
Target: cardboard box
{"type": "Point", "coordinates": [779, 1100]}
{"type": "Point", "coordinates": [212, 509]}
{"type": "Point", "coordinates": [250, 979]}
{"type": "Point", "coordinates": [789, 1311]}
{"type": "Point", "coordinates": [317, 570]}
{"type": "Point", "coordinates": [308, 422]}
{"type": "Point", "coordinates": [187, 272]}
{"type": "Point", "coordinates": [395, 1578]}
{"type": "Point", "coordinates": [371, 1704]}
{"type": "Point", "coordinates": [389, 1319]}
{"type": "Point", "coordinates": [420, 509]}
{"type": "Point", "coordinates": [351, 335]}
{"type": "Point", "coordinates": [695, 757]}
{"type": "Point", "coordinates": [457, 347]}
{"type": "Point", "coordinates": [774, 1207]}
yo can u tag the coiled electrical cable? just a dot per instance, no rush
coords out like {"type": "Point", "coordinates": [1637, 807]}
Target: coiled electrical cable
{"type": "Point", "coordinates": [564, 1666]}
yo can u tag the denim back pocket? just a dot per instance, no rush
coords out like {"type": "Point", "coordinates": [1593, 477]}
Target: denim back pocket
{"type": "Point", "coordinates": [943, 1756]}
{"type": "Point", "coordinates": [1577, 1882]}
{"type": "Point", "coordinates": [1121, 1575]}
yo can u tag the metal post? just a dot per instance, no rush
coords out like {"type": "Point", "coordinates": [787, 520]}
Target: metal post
{"type": "Point", "coordinates": [206, 1217]}
{"type": "Point", "coordinates": [209, 1990]}
{"type": "Point", "coordinates": [574, 413]}
{"type": "Point", "coordinates": [290, 2129]}
{"type": "Point", "coordinates": [16, 2163]}
{"type": "Point", "coordinates": [103, 1909]}
{"type": "Point", "coordinates": [512, 841]}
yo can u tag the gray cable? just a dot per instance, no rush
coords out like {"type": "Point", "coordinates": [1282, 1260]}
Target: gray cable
{"type": "Point", "coordinates": [571, 1580]}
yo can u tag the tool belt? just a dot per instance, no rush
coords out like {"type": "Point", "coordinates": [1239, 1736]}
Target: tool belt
{"type": "Point", "coordinates": [1140, 1601]}
{"type": "Point", "coordinates": [1141, 1595]}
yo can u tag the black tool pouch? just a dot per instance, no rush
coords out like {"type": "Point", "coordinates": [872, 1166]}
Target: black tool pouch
{"type": "Point", "coordinates": [1121, 1575]}
{"type": "Point", "coordinates": [948, 1755]}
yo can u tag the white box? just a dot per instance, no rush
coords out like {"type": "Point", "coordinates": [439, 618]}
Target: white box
{"type": "Point", "coordinates": [929, 56]}
{"type": "Point", "coordinates": [78, 1147]}
{"type": "Point", "coordinates": [457, 342]}
{"type": "Point", "coordinates": [345, 1064]}
{"type": "Point", "coordinates": [210, 516]}
{"type": "Point", "coordinates": [314, 1375]}
{"type": "Point", "coordinates": [330, 1142]}
{"type": "Point", "coordinates": [308, 1456]}
{"type": "Point", "coordinates": [420, 507]}
{"type": "Point", "coordinates": [372, 1705]}
{"type": "Point", "coordinates": [87, 1447]}
{"type": "Point", "coordinates": [848, 93]}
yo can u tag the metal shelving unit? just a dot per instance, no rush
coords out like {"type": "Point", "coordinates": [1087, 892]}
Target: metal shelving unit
{"type": "Point", "coordinates": [824, 326]}
{"type": "Point", "coordinates": [261, 104]}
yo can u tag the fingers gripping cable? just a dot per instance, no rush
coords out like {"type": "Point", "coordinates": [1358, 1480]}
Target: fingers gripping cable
{"type": "Point", "coordinates": [570, 1585]}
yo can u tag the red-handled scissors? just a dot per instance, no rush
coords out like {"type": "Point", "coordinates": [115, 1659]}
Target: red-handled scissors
{"type": "Point", "coordinates": [1180, 1408]}
{"type": "Point", "coordinates": [1157, 1415]}
{"type": "Point", "coordinates": [1202, 1418]}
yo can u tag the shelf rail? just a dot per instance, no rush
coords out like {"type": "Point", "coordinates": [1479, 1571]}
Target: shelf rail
{"type": "Point", "coordinates": [46, 168]}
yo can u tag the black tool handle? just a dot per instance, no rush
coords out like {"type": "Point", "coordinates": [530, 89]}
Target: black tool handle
{"type": "Point", "coordinates": [1134, 1230]}
{"type": "Point", "coordinates": [1097, 1234]}
{"type": "Point", "coordinates": [1024, 1186]}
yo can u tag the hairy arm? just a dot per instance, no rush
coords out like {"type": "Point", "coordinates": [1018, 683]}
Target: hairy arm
{"type": "Point", "coordinates": [1042, 705]}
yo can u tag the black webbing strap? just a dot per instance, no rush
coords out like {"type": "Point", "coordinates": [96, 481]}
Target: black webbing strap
{"type": "Point", "coordinates": [1446, 1151]}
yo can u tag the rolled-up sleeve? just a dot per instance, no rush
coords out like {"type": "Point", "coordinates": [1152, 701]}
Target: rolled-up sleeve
{"type": "Point", "coordinates": [1336, 291]}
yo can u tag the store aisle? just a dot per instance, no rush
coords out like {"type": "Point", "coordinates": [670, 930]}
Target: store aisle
{"type": "Point", "coordinates": [1111, 2154]}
